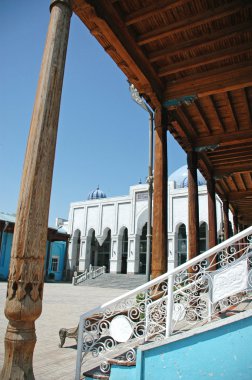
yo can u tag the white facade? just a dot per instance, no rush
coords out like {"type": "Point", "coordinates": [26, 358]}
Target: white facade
{"type": "Point", "coordinates": [112, 231]}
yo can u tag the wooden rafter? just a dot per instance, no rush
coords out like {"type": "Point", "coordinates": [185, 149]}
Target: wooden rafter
{"type": "Point", "coordinates": [231, 111]}
{"type": "Point", "coordinates": [215, 112]}
{"type": "Point", "coordinates": [229, 154]}
{"type": "Point", "coordinates": [199, 42]}
{"type": "Point", "coordinates": [246, 105]}
{"type": "Point", "coordinates": [184, 118]}
{"type": "Point", "coordinates": [205, 59]}
{"type": "Point", "coordinates": [192, 22]}
{"type": "Point", "coordinates": [202, 116]}
{"type": "Point", "coordinates": [223, 139]}
{"type": "Point", "coordinates": [235, 147]}
{"type": "Point", "coordinates": [225, 170]}
{"type": "Point", "coordinates": [231, 161]}
{"type": "Point", "coordinates": [236, 195]}
{"type": "Point", "coordinates": [211, 82]}
{"type": "Point", "coordinates": [152, 10]}
{"type": "Point", "coordinates": [244, 187]}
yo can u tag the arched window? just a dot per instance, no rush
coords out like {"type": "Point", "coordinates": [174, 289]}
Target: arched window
{"type": "Point", "coordinates": [182, 244]}
{"type": "Point", "coordinates": [143, 249]}
{"type": "Point", "coordinates": [76, 249]}
{"type": "Point", "coordinates": [124, 250]}
{"type": "Point", "coordinates": [94, 245]}
{"type": "Point", "coordinates": [202, 237]}
{"type": "Point", "coordinates": [100, 255]}
{"type": "Point", "coordinates": [104, 252]}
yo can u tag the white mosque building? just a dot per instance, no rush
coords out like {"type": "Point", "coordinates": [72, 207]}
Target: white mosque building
{"type": "Point", "coordinates": [112, 231]}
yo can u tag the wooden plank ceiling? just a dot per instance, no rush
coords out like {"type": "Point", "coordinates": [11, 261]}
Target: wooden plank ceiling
{"type": "Point", "coordinates": [193, 57]}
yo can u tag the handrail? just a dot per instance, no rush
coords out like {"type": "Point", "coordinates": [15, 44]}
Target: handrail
{"type": "Point", "coordinates": [188, 286]}
{"type": "Point", "coordinates": [92, 274]}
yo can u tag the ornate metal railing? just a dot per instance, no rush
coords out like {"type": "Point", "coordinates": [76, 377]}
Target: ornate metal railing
{"type": "Point", "coordinates": [87, 275]}
{"type": "Point", "coordinates": [188, 296]}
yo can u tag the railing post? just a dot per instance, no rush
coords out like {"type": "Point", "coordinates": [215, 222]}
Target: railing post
{"type": "Point", "coordinates": [169, 306]}
{"type": "Point", "coordinates": [79, 349]}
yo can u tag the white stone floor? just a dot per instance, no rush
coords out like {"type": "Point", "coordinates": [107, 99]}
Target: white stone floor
{"type": "Point", "coordinates": [62, 306]}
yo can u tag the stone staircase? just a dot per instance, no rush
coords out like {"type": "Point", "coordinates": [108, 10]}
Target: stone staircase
{"type": "Point", "coordinates": [118, 281]}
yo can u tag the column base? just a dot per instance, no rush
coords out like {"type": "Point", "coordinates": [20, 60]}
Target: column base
{"type": "Point", "coordinates": [20, 339]}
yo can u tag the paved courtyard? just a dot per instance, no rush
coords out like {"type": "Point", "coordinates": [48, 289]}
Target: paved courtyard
{"type": "Point", "coordinates": [62, 306]}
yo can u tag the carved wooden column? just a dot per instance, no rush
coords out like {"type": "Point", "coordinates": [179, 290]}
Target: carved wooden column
{"type": "Point", "coordinates": [26, 276]}
{"type": "Point", "coordinates": [225, 219]}
{"type": "Point", "coordinates": [159, 236]}
{"type": "Point", "coordinates": [193, 206]}
{"type": "Point", "coordinates": [212, 220]}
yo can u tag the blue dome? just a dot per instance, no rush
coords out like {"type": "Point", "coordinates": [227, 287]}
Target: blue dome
{"type": "Point", "coordinates": [180, 177]}
{"type": "Point", "coordinates": [96, 194]}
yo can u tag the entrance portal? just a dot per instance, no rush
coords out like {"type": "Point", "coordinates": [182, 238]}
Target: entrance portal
{"type": "Point", "coordinates": [124, 251]}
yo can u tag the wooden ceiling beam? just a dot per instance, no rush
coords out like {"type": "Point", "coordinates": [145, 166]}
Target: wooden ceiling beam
{"type": "Point", "coordinates": [211, 82]}
{"type": "Point", "coordinates": [222, 154]}
{"type": "Point", "coordinates": [205, 165]}
{"type": "Point", "coordinates": [244, 187]}
{"type": "Point", "coordinates": [215, 112]}
{"type": "Point", "coordinates": [231, 110]}
{"type": "Point", "coordinates": [233, 179]}
{"type": "Point", "coordinates": [181, 134]}
{"type": "Point", "coordinates": [194, 21]}
{"type": "Point", "coordinates": [182, 116]}
{"type": "Point", "coordinates": [199, 42]}
{"type": "Point", "coordinates": [234, 148]}
{"type": "Point", "coordinates": [202, 116]}
{"type": "Point", "coordinates": [237, 195]}
{"type": "Point", "coordinates": [222, 139]}
{"type": "Point", "coordinates": [205, 59]}
{"type": "Point", "coordinates": [226, 170]}
{"type": "Point", "coordinates": [236, 159]}
{"type": "Point", "coordinates": [246, 103]}
{"type": "Point", "coordinates": [151, 10]}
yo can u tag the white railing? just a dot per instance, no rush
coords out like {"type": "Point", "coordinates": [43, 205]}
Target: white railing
{"type": "Point", "coordinates": [87, 275]}
{"type": "Point", "coordinates": [181, 299]}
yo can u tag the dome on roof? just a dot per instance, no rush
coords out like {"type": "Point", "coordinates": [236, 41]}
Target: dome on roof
{"type": "Point", "coordinates": [96, 194]}
{"type": "Point", "coordinates": [180, 177]}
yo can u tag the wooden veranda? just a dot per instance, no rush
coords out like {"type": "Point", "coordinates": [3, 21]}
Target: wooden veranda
{"type": "Point", "coordinates": [191, 62]}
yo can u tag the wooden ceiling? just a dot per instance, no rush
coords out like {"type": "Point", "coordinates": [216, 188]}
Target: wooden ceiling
{"type": "Point", "coordinates": [193, 57]}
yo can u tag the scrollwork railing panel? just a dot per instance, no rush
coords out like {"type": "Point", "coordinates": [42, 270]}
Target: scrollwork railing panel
{"type": "Point", "coordinates": [151, 312]}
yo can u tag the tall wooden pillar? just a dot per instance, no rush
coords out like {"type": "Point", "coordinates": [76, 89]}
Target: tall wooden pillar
{"type": "Point", "coordinates": [226, 219]}
{"type": "Point", "coordinates": [212, 220]}
{"type": "Point", "coordinates": [193, 206]}
{"type": "Point", "coordinates": [159, 236]}
{"type": "Point", "coordinates": [26, 276]}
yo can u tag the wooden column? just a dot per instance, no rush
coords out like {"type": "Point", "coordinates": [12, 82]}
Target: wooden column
{"type": "Point", "coordinates": [193, 206]}
{"type": "Point", "coordinates": [212, 220]}
{"type": "Point", "coordinates": [26, 276]}
{"type": "Point", "coordinates": [225, 219]}
{"type": "Point", "coordinates": [159, 236]}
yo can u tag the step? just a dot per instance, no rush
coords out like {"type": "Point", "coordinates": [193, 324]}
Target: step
{"type": "Point", "coordinates": [119, 281]}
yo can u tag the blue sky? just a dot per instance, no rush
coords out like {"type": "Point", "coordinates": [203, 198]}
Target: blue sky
{"type": "Point", "coordinates": [103, 134]}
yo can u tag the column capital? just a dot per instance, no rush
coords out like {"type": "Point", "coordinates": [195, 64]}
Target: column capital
{"type": "Point", "coordinates": [63, 2]}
